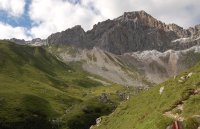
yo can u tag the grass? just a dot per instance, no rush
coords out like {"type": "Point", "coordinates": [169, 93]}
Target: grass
{"type": "Point", "coordinates": [38, 91]}
{"type": "Point", "coordinates": [145, 111]}
{"type": "Point", "coordinates": [55, 49]}
{"type": "Point", "coordinates": [191, 58]}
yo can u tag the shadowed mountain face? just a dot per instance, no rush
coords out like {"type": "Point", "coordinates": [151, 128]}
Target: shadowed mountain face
{"type": "Point", "coordinates": [133, 31]}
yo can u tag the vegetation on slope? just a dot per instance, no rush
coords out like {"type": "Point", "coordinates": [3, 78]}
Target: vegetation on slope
{"type": "Point", "coordinates": [37, 91]}
{"type": "Point", "coordinates": [148, 110]}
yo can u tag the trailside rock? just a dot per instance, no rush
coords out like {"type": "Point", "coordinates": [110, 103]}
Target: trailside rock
{"type": "Point", "coordinates": [98, 121]}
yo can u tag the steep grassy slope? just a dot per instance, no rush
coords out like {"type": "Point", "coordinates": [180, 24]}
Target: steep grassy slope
{"type": "Point", "coordinates": [180, 100]}
{"type": "Point", "coordinates": [37, 91]}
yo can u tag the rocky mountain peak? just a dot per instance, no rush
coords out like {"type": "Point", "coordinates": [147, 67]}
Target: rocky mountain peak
{"type": "Point", "coordinates": [18, 41]}
{"type": "Point", "coordinates": [197, 27]}
{"type": "Point", "coordinates": [133, 15]}
{"type": "Point", "coordinates": [178, 30]}
{"type": "Point", "coordinates": [195, 31]}
{"type": "Point", "coordinates": [131, 32]}
{"type": "Point", "coordinates": [74, 36]}
{"type": "Point", "coordinates": [77, 28]}
{"type": "Point", "coordinates": [174, 27]}
{"type": "Point", "coordinates": [144, 19]}
{"type": "Point", "coordinates": [37, 40]}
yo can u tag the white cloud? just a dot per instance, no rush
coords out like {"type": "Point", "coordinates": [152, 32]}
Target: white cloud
{"type": "Point", "coordinates": [50, 16]}
{"type": "Point", "coordinates": [110, 8]}
{"type": "Point", "coordinates": [13, 7]}
{"type": "Point", "coordinates": [181, 12]}
{"type": "Point", "coordinates": [8, 32]}
{"type": "Point", "coordinates": [58, 15]}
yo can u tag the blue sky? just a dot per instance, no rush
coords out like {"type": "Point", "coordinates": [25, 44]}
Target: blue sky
{"type": "Point", "coordinates": [29, 19]}
{"type": "Point", "coordinates": [24, 20]}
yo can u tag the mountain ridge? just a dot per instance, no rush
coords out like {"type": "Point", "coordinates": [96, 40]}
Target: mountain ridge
{"type": "Point", "coordinates": [131, 32]}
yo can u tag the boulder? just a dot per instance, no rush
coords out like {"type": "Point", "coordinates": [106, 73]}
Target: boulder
{"type": "Point", "coordinates": [103, 98]}
{"type": "Point", "coordinates": [98, 121]}
{"type": "Point", "coordinates": [189, 75]}
{"type": "Point", "coordinates": [161, 90]}
{"type": "Point", "coordinates": [176, 125]}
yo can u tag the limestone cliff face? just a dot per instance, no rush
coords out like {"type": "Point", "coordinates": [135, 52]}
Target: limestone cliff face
{"type": "Point", "coordinates": [133, 31]}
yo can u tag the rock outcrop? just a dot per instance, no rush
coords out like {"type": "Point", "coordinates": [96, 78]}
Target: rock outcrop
{"type": "Point", "coordinates": [75, 36]}
{"type": "Point", "coordinates": [33, 42]}
{"type": "Point", "coordinates": [18, 41]}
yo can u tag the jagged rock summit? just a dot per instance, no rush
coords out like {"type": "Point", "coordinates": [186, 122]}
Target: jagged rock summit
{"type": "Point", "coordinates": [133, 31]}
{"type": "Point", "coordinates": [75, 36]}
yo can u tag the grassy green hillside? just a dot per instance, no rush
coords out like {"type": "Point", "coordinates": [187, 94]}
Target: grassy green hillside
{"type": "Point", "coordinates": [180, 100]}
{"type": "Point", "coordinates": [37, 91]}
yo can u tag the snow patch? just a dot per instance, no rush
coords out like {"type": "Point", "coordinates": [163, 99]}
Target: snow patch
{"type": "Point", "coordinates": [181, 40]}
{"type": "Point", "coordinates": [186, 40]}
{"type": "Point", "coordinates": [154, 54]}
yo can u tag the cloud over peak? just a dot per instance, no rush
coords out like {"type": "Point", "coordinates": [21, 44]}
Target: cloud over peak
{"type": "Point", "coordinates": [7, 32]}
{"type": "Point", "coordinates": [13, 7]}
{"type": "Point", "coordinates": [50, 16]}
{"type": "Point", "coordinates": [56, 15]}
